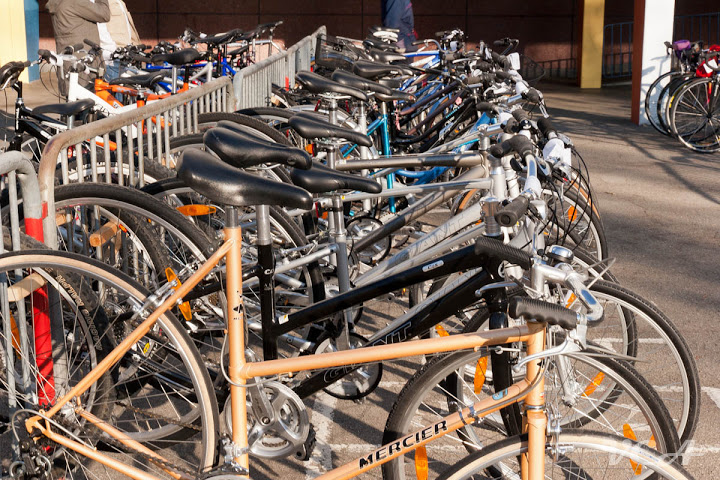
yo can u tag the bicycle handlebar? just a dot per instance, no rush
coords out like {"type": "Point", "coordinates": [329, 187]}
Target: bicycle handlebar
{"type": "Point", "coordinates": [496, 249]}
{"type": "Point", "coordinates": [550, 313]}
{"type": "Point", "coordinates": [513, 211]}
{"type": "Point", "coordinates": [518, 144]}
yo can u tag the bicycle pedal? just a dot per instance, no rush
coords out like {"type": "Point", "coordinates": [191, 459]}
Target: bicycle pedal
{"type": "Point", "coordinates": [305, 451]}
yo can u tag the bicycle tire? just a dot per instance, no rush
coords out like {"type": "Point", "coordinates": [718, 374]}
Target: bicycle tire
{"type": "Point", "coordinates": [432, 393]}
{"type": "Point", "coordinates": [652, 100]}
{"type": "Point", "coordinates": [695, 115]}
{"type": "Point", "coordinates": [666, 98]}
{"type": "Point", "coordinates": [133, 411]}
{"type": "Point", "coordinates": [622, 459]}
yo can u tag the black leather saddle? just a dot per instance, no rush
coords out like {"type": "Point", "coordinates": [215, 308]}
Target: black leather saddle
{"type": "Point", "coordinates": [181, 57]}
{"type": "Point", "coordinates": [310, 127]}
{"type": "Point", "coordinates": [220, 38]}
{"type": "Point", "coordinates": [384, 56]}
{"type": "Point", "coordinates": [67, 109]}
{"type": "Point", "coordinates": [314, 83]}
{"type": "Point", "coordinates": [344, 77]}
{"type": "Point", "coordinates": [243, 150]}
{"type": "Point", "coordinates": [239, 51]}
{"type": "Point", "coordinates": [227, 185]}
{"type": "Point", "coordinates": [373, 70]}
{"type": "Point", "coordinates": [395, 95]}
{"type": "Point", "coordinates": [147, 80]}
{"type": "Point", "coordinates": [322, 179]}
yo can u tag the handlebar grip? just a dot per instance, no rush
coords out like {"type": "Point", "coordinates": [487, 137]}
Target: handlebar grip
{"type": "Point", "coordinates": [503, 75]}
{"type": "Point", "coordinates": [501, 60]}
{"type": "Point", "coordinates": [90, 43]}
{"type": "Point", "coordinates": [511, 126]}
{"type": "Point", "coordinates": [518, 144]}
{"type": "Point", "coordinates": [142, 46]}
{"type": "Point", "coordinates": [533, 96]}
{"type": "Point", "coordinates": [520, 115]}
{"type": "Point", "coordinates": [513, 211]}
{"type": "Point", "coordinates": [545, 126]}
{"type": "Point", "coordinates": [45, 54]}
{"type": "Point", "coordinates": [136, 57]}
{"type": "Point", "coordinates": [550, 313]}
{"type": "Point", "coordinates": [485, 107]}
{"type": "Point", "coordinates": [499, 251]}
{"type": "Point", "coordinates": [483, 66]}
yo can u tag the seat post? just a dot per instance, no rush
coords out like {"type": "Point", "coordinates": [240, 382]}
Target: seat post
{"type": "Point", "coordinates": [174, 79]}
{"type": "Point", "coordinates": [364, 151]}
{"type": "Point", "coordinates": [266, 274]}
{"type": "Point", "coordinates": [332, 110]}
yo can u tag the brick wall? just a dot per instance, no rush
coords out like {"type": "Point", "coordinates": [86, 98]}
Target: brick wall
{"type": "Point", "coordinates": [547, 29]}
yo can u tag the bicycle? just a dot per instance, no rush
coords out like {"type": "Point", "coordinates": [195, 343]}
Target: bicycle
{"type": "Point", "coordinates": [169, 346]}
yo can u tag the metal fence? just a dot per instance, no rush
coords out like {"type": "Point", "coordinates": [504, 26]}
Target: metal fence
{"type": "Point", "coordinates": [253, 85]}
{"type": "Point", "coordinates": [698, 27]}
{"type": "Point", "coordinates": [115, 149]}
{"type": "Point", "coordinates": [618, 40]}
{"type": "Point", "coordinates": [617, 50]}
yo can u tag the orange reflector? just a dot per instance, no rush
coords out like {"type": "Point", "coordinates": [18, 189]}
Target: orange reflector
{"type": "Point", "coordinates": [480, 370]}
{"type": "Point", "coordinates": [630, 434]}
{"type": "Point", "coordinates": [441, 331]}
{"type": "Point", "coordinates": [310, 148]}
{"type": "Point", "coordinates": [571, 300]}
{"type": "Point", "coordinates": [594, 384]}
{"type": "Point", "coordinates": [651, 443]}
{"type": "Point", "coordinates": [572, 214]}
{"type": "Point", "coordinates": [196, 210]}
{"type": "Point", "coordinates": [185, 306]}
{"type": "Point", "coordinates": [421, 463]}
{"type": "Point", "coordinates": [15, 335]}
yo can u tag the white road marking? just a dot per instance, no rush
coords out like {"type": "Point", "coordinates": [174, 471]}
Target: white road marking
{"type": "Point", "coordinates": [322, 419]}
{"type": "Point", "coordinates": [713, 393]}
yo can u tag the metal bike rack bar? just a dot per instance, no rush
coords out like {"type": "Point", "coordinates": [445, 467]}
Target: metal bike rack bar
{"type": "Point", "coordinates": [132, 137]}
{"type": "Point", "coordinates": [253, 84]}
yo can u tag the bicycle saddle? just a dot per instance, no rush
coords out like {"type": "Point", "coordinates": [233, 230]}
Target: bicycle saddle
{"type": "Point", "coordinates": [390, 82]}
{"type": "Point", "coordinates": [322, 179]}
{"type": "Point", "coordinates": [314, 83]}
{"type": "Point", "coordinates": [378, 28]}
{"type": "Point", "coordinates": [373, 70]}
{"type": "Point", "coordinates": [67, 109]}
{"type": "Point", "coordinates": [220, 38]}
{"type": "Point", "coordinates": [243, 150]}
{"type": "Point", "coordinates": [310, 127]}
{"type": "Point", "coordinates": [147, 80]}
{"type": "Point", "coordinates": [344, 77]}
{"type": "Point", "coordinates": [395, 95]}
{"type": "Point", "coordinates": [386, 57]}
{"type": "Point", "coordinates": [239, 51]}
{"type": "Point", "coordinates": [227, 185]}
{"type": "Point", "coordinates": [181, 57]}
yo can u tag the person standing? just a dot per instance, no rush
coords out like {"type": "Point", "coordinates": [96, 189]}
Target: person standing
{"type": "Point", "coordinates": [73, 21]}
{"type": "Point", "coordinates": [399, 14]}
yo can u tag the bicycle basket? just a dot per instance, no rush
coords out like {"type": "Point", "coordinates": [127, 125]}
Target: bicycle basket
{"type": "Point", "coordinates": [333, 52]}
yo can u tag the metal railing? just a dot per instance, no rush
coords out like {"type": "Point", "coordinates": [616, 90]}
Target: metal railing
{"type": "Point", "coordinates": [253, 85]}
{"type": "Point", "coordinates": [16, 170]}
{"type": "Point", "coordinates": [132, 138]}
{"type": "Point", "coordinates": [618, 40]}
{"type": "Point", "coordinates": [705, 27]}
{"type": "Point", "coordinates": [617, 50]}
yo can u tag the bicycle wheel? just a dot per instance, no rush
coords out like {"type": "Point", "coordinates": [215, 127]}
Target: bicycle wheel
{"type": "Point", "coordinates": [453, 381]}
{"type": "Point", "coordinates": [159, 393]}
{"type": "Point", "coordinates": [652, 99]}
{"type": "Point", "coordinates": [573, 454]}
{"type": "Point", "coordinates": [695, 115]}
{"type": "Point", "coordinates": [666, 98]}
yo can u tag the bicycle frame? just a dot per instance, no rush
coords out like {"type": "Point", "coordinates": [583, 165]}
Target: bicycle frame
{"type": "Point", "coordinates": [240, 372]}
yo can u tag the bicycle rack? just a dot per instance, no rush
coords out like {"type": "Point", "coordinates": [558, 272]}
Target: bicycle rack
{"type": "Point", "coordinates": [157, 122]}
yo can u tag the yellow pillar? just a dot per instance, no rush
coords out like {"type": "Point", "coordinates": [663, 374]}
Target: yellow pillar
{"type": "Point", "coordinates": [12, 33]}
{"type": "Point", "coordinates": [593, 22]}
